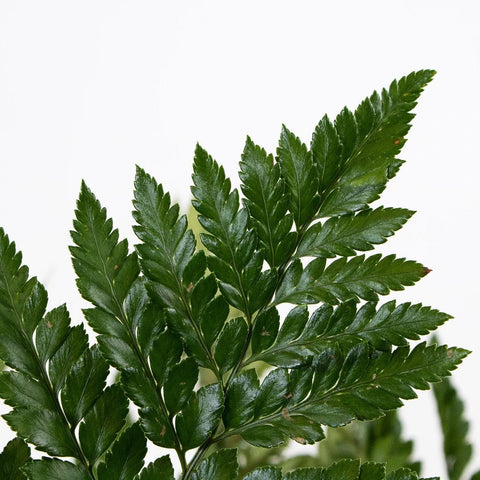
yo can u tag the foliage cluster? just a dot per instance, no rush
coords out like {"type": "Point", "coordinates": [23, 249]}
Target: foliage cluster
{"type": "Point", "coordinates": [170, 310]}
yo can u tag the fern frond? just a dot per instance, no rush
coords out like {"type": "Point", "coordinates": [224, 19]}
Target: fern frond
{"type": "Point", "coordinates": [300, 338]}
{"type": "Point", "coordinates": [357, 155]}
{"type": "Point", "coordinates": [344, 279]}
{"type": "Point", "coordinates": [236, 261]}
{"type": "Point", "coordinates": [55, 380]}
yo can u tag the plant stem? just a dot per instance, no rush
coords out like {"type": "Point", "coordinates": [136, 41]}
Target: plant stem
{"type": "Point", "coordinates": [197, 457]}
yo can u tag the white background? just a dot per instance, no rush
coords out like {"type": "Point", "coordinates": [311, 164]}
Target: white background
{"type": "Point", "coordinates": [88, 89]}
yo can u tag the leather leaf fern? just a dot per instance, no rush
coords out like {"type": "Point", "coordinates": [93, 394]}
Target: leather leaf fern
{"type": "Point", "coordinates": [171, 309]}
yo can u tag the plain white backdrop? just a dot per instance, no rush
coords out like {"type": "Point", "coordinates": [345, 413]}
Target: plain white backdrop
{"type": "Point", "coordinates": [89, 89]}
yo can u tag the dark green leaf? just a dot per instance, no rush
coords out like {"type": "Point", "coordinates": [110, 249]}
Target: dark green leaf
{"type": "Point", "coordinates": [179, 385]}
{"type": "Point", "coordinates": [350, 233]}
{"type": "Point", "coordinates": [265, 329]}
{"type": "Point", "coordinates": [54, 469]}
{"type": "Point", "coordinates": [103, 422]}
{"type": "Point", "coordinates": [200, 416]}
{"type": "Point", "coordinates": [293, 324]}
{"type": "Point", "coordinates": [19, 295]}
{"type": "Point", "coordinates": [19, 390]}
{"type": "Point", "coordinates": [193, 341]}
{"type": "Point", "coordinates": [16, 350]}
{"type": "Point", "coordinates": [160, 469]}
{"type": "Point", "coordinates": [230, 344]}
{"type": "Point", "coordinates": [457, 449]}
{"type": "Point", "coordinates": [370, 383]}
{"type": "Point", "coordinates": [66, 356]}
{"type": "Point", "coordinates": [356, 157]}
{"type": "Point", "coordinates": [219, 465]}
{"type": "Point", "coordinates": [157, 426]}
{"type": "Point", "coordinates": [125, 459]}
{"type": "Point", "coordinates": [119, 352]}
{"type": "Point", "coordinates": [265, 435]}
{"type": "Point", "coordinates": [344, 469]}
{"type": "Point", "coordinates": [51, 332]}
{"type": "Point", "coordinates": [264, 473]}
{"type": "Point", "coordinates": [104, 323]}
{"type": "Point", "coordinates": [296, 166]}
{"type": "Point", "coordinates": [165, 353]}
{"type": "Point", "coordinates": [140, 389]}
{"type": "Point", "coordinates": [390, 325]}
{"type": "Point", "coordinates": [43, 428]}
{"type": "Point", "coordinates": [402, 474]}
{"type": "Point", "coordinates": [212, 318]}
{"type": "Point", "coordinates": [167, 246]}
{"type": "Point", "coordinates": [35, 308]}
{"type": "Point", "coordinates": [370, 471]}
{"type": "Point", "coordinates": [240, 399]}
{"type": "Point", "coordinates": [84, 384]}
{"type": "Point", "coordinates": [345, 279]}
{"type": "Point", "coordinates": [299, 428]}
{"type": "Point", "coordinates": [273, 393]}
{"type": "Point", "coordinates": [150, 327]}
{"type": "Point", "coordinates": [104, 268]}
{"type": "Point", "coordinates": [230, 238]}
{"type": "Point", "coordinates": [15, 286]}
{"type": "Point", "coordinates": [267, 203]}
{"type": "Point", "coordinates": [14, 456]}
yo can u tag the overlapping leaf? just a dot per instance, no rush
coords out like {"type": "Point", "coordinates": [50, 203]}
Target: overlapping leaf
{"type": "Point", "coordinates": [125, 459]}
{"type": "Point", "coordinates": [379, 440]}
{"type": "Point", "coordinates": [300, 337]}
{"type": "Point", "coordinates": [297, 168]}
{"type": "Point", "coordinates": [14, 456]}
{"type": "Point", "coordinates": [344, 279]}
{"type": "Point", "coordinates": [356, 156]}
{"type": "Point", "coordinates": [336, 365]}
{"type": "Point", "coordinates": [122, 336]}
{"type": "Point", "coordinates": [167, 252]}
{"type": "Point", "coordinates": [221, 464]}
{"type": "Point", "coordinates": [103, 265]}
{"type": "Point", "coordinates": [457, 449]}
{"type": "Point", "coordinates": [236, 260]}
{"type": "Point", "coordinates": [56, 382]}
{"type": "Point", "coordinates": [160, 469]}
{"type": "Point", "coordinates": [347, 234]}
{"type": "Point", "coordinates": [333, 391]}
{"type": "Point", "coordinates": [169, 260]}
{"type": "Point", "coordinates": [344, 470]}
{"type": "Point", "coordinates": [267, 203]}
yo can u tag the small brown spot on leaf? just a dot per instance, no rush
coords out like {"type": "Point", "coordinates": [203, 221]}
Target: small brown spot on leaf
{"type": "Point", "coordinates": [115, 267]}
{"type": "Point", "coordinates": [286, 414]}
{"type": "Point", "coordinates": [288, 396]}
{"type": "Point", "coordinates": [300, 440]}
{"type": "Point", "coordinates": [265, 333]}
{"type": "Point", "coordinates": [190, 287]}
{"type": "Point", "coordinates": [396, 142]}
{"type": "Point", "coordinates": [162, 432]}
{"type": "Point", "coordinates": [374, 376]}
{"type": "Point", "coordinates": [49, 324]}
{"type": "Point", "coordinates": [449, 353]}
{"type": "Point", "coordinates": [427, 270]}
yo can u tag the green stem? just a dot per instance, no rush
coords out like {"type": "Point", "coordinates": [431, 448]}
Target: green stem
{"type": "Point", "coordinates": [202, 449]}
